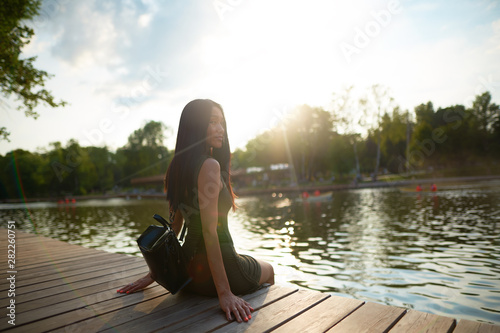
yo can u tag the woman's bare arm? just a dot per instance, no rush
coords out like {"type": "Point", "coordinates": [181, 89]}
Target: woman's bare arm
{"type": "Point", "coordinates": [209, 185]}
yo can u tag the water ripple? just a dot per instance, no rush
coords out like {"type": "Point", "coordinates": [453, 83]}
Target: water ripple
{"type": "Point", "coordinates": [435, 253]}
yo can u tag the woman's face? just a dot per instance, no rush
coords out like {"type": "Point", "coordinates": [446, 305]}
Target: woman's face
{"type": "Point", "coordinates": [215, 130]}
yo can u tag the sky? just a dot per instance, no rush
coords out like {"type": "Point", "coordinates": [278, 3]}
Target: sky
{"type": "Point", "coordinates": [120, 64]}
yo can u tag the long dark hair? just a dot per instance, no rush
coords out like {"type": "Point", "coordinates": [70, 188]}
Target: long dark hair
{"type": "Point", "coordinates": [180, 181]}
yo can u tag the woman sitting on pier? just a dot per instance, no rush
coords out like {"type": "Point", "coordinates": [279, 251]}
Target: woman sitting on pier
{"type": "Point", "coordinates": [199, 191]}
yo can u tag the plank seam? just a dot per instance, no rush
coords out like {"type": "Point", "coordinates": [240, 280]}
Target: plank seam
{"type": "Point", "coordinates": [347, 315]}
{"type": "Point", "coordinates": [297, 314]}
{"type": "Point", "coordinates": [396, 320]}
{"type": "Point", "coordinates": [453, 326]}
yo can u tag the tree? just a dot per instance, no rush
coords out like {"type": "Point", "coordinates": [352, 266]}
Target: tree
{"type": "Point", "coordinates": [394, 141]}
{"type": "Point", "coordinates": [18, 76]}
{"type": "Point", "coordinates": [144, 154]}
{"type": "Point", "coordinates": [151, 135]}
{"type": "Point", "coordinates": [18, 176]}
{"type": "Point", "coordinates": [377, 102]}
{"type": "Point", "coordinates": [486, 115]}
{"type": "Point", "coordinates": [341, 153]}
{"type": "Point", "coordinates": [104, 164]}
{"type": "Point", "coordinates": [308, 134]}
{"type": "Point", "coordinates": [348, 118]}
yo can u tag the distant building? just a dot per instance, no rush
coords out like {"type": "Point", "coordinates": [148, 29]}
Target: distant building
{"type": "Point", "coordinates": [275, 175]}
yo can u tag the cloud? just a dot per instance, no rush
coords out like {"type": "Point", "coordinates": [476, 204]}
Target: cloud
{"type": "Point", "coordinates": [494, 41]}
{"type": "Point", "coordinates": [113, 45]}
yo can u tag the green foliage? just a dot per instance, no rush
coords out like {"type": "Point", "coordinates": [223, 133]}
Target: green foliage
{"type": "Point", "coordinates": [18, 76]}
{"type": "Point", "coordinates": [341, 154]}
{"type": "Point", "coordinates": [456, 136]}
{"type": "Point", "coordinates": [19, 174]}
{"type": "Point", "coordinates": [449, 137]}
{"type": "Point", "coordinates": [75, 170]}
{"type": "Point", "coordinates": [144, 154]}
{"type": "Point", "coordinates": [151, 135]}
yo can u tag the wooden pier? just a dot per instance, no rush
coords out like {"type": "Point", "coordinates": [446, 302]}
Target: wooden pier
{"type": "Point", "coordinates": [60, 287]}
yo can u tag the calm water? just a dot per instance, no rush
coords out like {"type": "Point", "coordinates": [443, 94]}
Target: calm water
{"type": "Point", "coordinates": [434, 253]}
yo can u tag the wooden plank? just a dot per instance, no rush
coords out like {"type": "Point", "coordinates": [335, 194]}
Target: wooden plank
{"type": "Point", "coordinates": [59, 293]}
{"type": "Point", "coordinates": [47, 257]}
{"type": "Point", "coordinates": [199, 318]}
{"type": "Point", "coordinates": [20, 290]}
{"type": "Point", "coordinates": [61, 280]}
{"type": "Point", "coordinates": [144, 314]}
{"type": "Point", "coordinates": [53, 287]}
{"type": "Point", "coordinates": [370, 317]}
{"type": "Point", "coordinates": [22, 234]}
{"type": "Point", "coordinates": [67, 258]}
{"type": "Point", "coordinates": [40, 248]}
{"type": "Point", "coordinates": [74, 304]}
{"type": "Point", "coordinates": [52, 265]}
{"type": "Point", "coordinates": [30, 243]}
{"type": "Point", "coordinates": [119, 301]}
{"type": "Point", "coordinates": [63, 290]}
{"type": "Point", "coordinates": [86, 267]}
{"type": "Point", "coordinates": [469, 326]}
{"type": "Point", "coordinates": [26, 234]}
{"type": "Point", "coordinates": [65, 266]}
{"type": "Point", "coordinates": [111, 286]}
{"type": "Point", "coordinates": [71, 259]}
{"type": "Point", "coordinates": [321, 317]}
{"type": "Point", "coordinates": [277, 313]}
{"type": "Point", "coordinates": [29, 246]}
{"type": "Point", "coordinates": [41, 253]}
{"type": "Point", "coordinates": [421, 322]}
{"type": "Point", "coordinates": [64, 274]}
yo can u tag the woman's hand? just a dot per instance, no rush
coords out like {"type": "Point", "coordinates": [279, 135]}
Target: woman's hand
{"type": "Point", "coordinates": [239, 307]}
{"type": "Point", "coordinates": [137, 285]}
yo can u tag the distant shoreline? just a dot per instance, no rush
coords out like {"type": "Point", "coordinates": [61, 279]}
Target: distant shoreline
{"type": "Point", "coordinates": [282, 189]}
{"type": "Point", "coordinates": [378, 184]}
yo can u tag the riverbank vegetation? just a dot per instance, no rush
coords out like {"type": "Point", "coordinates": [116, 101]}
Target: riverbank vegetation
{"type": "Point", "coordinates": [397, 144]}
{"type": "Point", "coordinates": [367, 137]}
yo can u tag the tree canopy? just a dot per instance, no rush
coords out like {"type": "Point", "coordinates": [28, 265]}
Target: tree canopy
{"type": "Point", "coordinates": [18, 76]}
{"type": "Point", "coordinates": [322, 144]}
{"type": "Point", "coordinates": [75, 170]}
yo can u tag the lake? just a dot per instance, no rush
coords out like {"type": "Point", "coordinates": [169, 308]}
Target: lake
{"type": "Point", "coordinates": [433, 252]}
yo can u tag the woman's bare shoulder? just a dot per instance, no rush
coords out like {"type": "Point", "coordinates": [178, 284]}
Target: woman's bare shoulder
{"type": "Point", "coordinates": [209, 167]}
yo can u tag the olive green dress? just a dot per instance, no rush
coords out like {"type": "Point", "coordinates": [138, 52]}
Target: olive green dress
{"type": "Point", "coordinates": [243, 271]}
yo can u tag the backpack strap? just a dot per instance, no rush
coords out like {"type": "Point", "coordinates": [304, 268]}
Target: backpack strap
{"type": "Point", "coordinates": [184, 226]}
{"type": "Point", "coordinates": [183, 232]}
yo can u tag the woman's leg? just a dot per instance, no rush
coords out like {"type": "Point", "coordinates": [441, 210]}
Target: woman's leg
{"type": "Point", "coordinates": [267, 272]}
